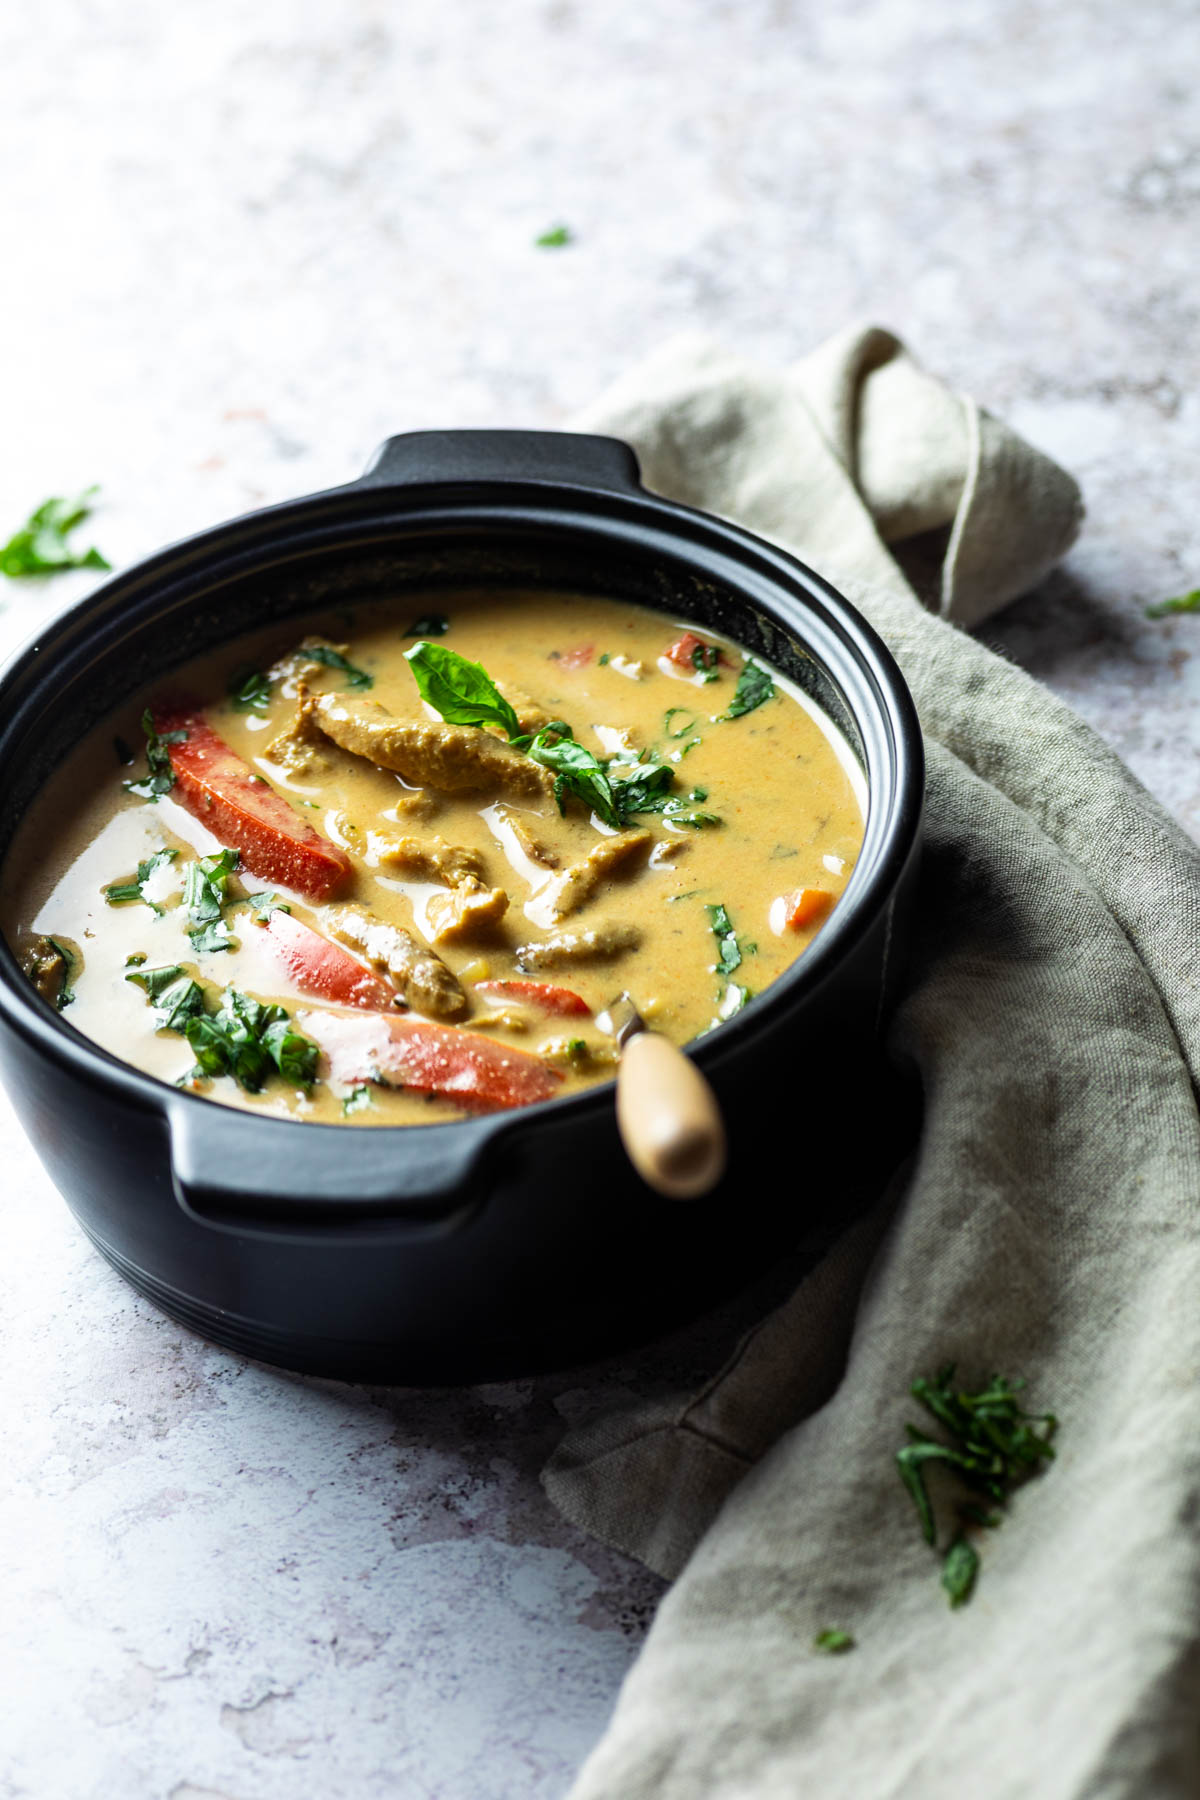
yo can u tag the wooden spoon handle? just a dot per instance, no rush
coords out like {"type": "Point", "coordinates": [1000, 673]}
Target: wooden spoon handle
{"type": "Point", "coordinates": [669, 1119]}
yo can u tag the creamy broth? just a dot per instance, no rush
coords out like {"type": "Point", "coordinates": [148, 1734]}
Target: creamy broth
{"type": "Point", "coordinates": [519, 903]}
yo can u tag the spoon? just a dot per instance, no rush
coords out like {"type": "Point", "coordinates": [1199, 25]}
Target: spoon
{"type": "Point", "coordinates": [667, 1114]}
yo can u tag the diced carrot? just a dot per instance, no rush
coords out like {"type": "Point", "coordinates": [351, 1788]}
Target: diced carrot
{"type": "Point", "coordinates": [542, 994]}
{"type": "Point", "coordinates": [578, 658]}
{"type": "Point", "coordinates": [807, 906]}
{"type": "Point", "coordinates": [403, 1051]}
{"type": "Point", "coordinates": [692, 652]}
{"type": "Point", "coordinates": [324, 969]}
{"type": "Point", "coordinates": [245, 812]}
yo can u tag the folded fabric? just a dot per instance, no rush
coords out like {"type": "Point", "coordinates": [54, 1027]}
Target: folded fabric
{"type": "Point", "coordinates": [1048, 1226]}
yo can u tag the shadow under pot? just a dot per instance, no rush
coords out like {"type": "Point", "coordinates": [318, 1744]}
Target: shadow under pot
{"type": "Point", "coordinates": [517, 1241]}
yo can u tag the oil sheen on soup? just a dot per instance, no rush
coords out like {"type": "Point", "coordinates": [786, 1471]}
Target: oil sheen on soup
{"type": "Point", "coordinates": [394, 867]}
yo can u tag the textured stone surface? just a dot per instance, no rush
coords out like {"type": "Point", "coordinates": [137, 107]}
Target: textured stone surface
{"type": "Point", "coordinates": [241, 246]}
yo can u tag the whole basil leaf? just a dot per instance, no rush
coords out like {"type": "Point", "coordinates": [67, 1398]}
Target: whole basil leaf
{"type": "Point", "coordinates": [460, 691]}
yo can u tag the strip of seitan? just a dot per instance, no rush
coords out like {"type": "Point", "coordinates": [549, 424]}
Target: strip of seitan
{"type": "Point", "coordinates": [420, 974]}
{"type": "Point", "coordinates": [600, 944]}
{"type": "Point", "coordinates": [527, 839]}
{"type": "Point", "coordinates": [433, 861]}
{"type": "Point", "coordinates": [459, 759]}
{"type": "Point", "coordinates": [301, 745]}
{"type": "Point", "coordinates": [464, 910]}
{"type": "Point", "coordinates": [566, 893]}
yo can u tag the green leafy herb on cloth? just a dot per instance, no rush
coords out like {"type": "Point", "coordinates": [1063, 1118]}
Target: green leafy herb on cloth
{"type": "Point", "coordinates": [41, 546]}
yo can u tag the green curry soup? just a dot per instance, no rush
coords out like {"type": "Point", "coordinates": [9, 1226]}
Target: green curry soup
{"type": "Point", "coordinates": [394, 868]}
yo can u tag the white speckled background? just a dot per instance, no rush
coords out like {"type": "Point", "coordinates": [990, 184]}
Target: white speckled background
{"type": "Point", "coordinates": [241, 245]}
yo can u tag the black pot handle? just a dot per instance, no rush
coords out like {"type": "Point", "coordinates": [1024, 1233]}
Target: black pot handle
{"type": "Point", "coordinates": [240, 1172]}
{"type": "Point", "coordinates": [563, 457]}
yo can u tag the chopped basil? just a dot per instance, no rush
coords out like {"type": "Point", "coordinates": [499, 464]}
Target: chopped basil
{"type": "Point", "coordinates": [754, 686]}
{"type": "Point", "coordinates": [576, 771]}
{"type": "Point", "coordinates": [120, 893]}
{"type": "Point", "coordinates": [1182, 603]}
{"type": "Point", "coordinates": [358, 1100]}
{"type": "Point", "coordinates": [429, 625]}
{"type": "Point", "coordinates": [160, 776]}
{"type": "Point", "coordinates": [833, 1642]}
{"type": "Point", "coordinates": [995, 1445]}
{"type": "Point", "coordinates": [462, 692]}
{"type": "Point", "coordinates": [333, 659]}
{"type": "Point", "coordinates": [603, 659]}
{"type": "Point", "coordinates": [557, 237]}
{"type": "Point", "coordinates": [66, 993]}
{"type": "Point", "coordinates": [264, 904]}
{"type": "Point", "coordinates": [40, 547]}
{"type": "Point", "coordinates": [250, 690]}
{"type": "Point", "coordinates": [959, 1569]}
{"type": "Point", "coordinates": [690, 721]}
{"type": "Point", "coordinates": [243, 1037]}
{"type": "Point", "coordinates": [205, 893]}
{"type": "Point", "coordinates": [729, 950]}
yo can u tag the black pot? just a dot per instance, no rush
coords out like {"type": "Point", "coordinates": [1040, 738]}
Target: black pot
{"type": "Point", "coordinates": [523, 1240]}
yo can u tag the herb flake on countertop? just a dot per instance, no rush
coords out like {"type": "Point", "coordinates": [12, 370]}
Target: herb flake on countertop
{"type": "Point", "coordinates": [40, 546]}
{"type": "Point", "coordinates": [833, 1642]}
{"type": "Point", "coordinates": [1181, 603]}
{"type": "Point", "coordinates": [557, 237]}
{"type": "Point", "coordinates": [995, 1445]}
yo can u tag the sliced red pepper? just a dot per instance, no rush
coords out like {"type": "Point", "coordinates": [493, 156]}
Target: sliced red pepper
{"type": "Point", "coordinates": [245, 812]}
{"type": "Point", "coordinates": [323, 969]}
{"type": "Point", "coordinates": [403, 1051]}
{"type": "Point", "coordinates": [542, 994]}
{"type": "Point", "coordinates": [578, 658]}
{"type": "Point", "coordinates": [684, 652]}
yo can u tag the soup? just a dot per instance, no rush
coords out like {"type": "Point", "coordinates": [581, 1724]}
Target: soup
{"type": "Point", "coordinates": [395, 867]}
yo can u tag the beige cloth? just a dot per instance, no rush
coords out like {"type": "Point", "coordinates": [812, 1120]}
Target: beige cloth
{"type": "Point", "coordinates": [1049, 1225]}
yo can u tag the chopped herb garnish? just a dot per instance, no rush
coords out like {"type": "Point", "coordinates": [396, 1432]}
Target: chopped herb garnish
{"type": "Point", "coordinates": [556, 238]}
{"type": "Point", "coordinates": [40, 547]}
{"type": "Point", "coordinates": [754, 685]}
{"type": "Point", "coordinates": [603, 659]}
{"type": "Point", "coordinates": [120, 893]}
{"type": "Point", "coordinates": [729, 950]}
{"type": "Point", "coordinates": [833, 1642]}
{"type": "Point", "coordinates": [49, 966]}
{"type": "Point", "coordinates": [250, 690]}
{"type": "Point", "coordinates": [160, 777]}
{"type": "Point", "coordinates": [690, 721]}
{"type": "Point", "coordinates": [1182, 603]}
{"type": "Point", "coordinates": [995, 1446]}
{"type": "Point", "coordinates": [333, 659]}
{"type": "Point", "coordinates": [576, 771]}
{"type": "Point", "coordinates": [358, 1100]}
{"type": "Point", "coordinates": [205, 893]}
{"type": "Point", "coordinates": [243, 1037]}
{"type": "Point", "coordinates": [429, 625]}
{"type": "Point", "coordinates": [461, 691]}
{"type": "Point", "coordinates": [264, 904]}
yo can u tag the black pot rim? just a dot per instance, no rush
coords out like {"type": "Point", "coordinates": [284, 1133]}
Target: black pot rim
{"type": "Point", "coordinates": [542, 492]}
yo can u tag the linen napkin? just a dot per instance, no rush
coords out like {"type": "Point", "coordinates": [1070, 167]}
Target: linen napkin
{"type": "Point", "coordinates": [1048, 1225]}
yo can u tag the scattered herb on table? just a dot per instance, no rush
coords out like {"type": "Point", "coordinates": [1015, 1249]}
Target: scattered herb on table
{"type": "Point", "coordinates": [250, 690]}
{"type": "Point", "coordinates": [333, 659]}
{"type": "Point", "coordinates": [241, 1037]}
{"type": "Point", "coordinates": [1181, 603]}
{"type": "Point", "coordinates": [429, 625]}
{"type": "Point", "coordinates": [120, 893]}
{"type": "Point", "coordinates": [833, 1642]}
{"type": "Point", "coordinates": [995, 1446]}
{"type": "Point", "coordinates": [40, 547]}
{"type": "Point", "coordinates": [556, 238]}
{"type": "Point", "coordinates": [160, 776]}
{"type": "Point", "coordinates": [205, 894]}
